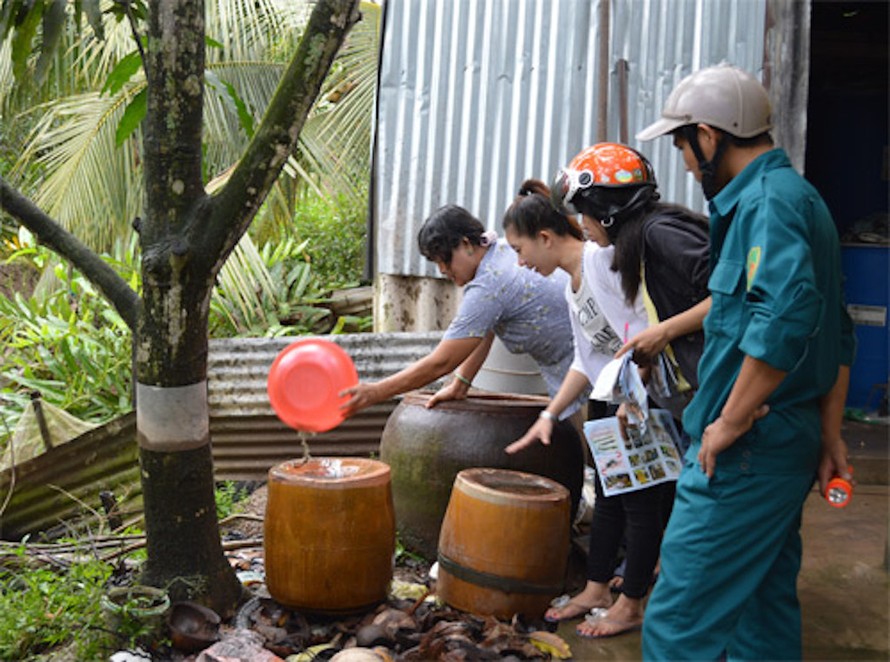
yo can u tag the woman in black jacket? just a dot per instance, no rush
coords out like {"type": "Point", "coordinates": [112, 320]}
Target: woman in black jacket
{"type": "Point", "coordinates": [661, 249]}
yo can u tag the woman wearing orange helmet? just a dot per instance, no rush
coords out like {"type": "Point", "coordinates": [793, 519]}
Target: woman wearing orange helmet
{"type": "Point", "coordinates": [660, 249]}
{"type": "Point", "coordinates": [641, 250]}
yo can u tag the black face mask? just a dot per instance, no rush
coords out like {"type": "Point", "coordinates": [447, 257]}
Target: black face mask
{"type": "Point", "coordinates": [708, 169]}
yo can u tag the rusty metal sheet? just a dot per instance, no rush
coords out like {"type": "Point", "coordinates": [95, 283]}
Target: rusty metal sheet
{"type": "Point", "coordinates": [65, 482]}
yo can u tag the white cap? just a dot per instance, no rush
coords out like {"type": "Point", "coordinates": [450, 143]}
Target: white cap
{"type": "Point", "coordinates": [723, 96]}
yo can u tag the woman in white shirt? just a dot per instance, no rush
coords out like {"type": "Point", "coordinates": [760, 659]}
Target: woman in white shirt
{"type": "Point", "coordinates": [602, 320]}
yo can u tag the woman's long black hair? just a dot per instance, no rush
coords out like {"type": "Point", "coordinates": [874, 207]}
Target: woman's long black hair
{"type": "Point", "coordinates": [627, 237]}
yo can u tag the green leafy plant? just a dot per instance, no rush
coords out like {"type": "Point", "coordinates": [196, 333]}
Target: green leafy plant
{"type": "Point", "coordinates": [353, 324]}
{"type": "Point", "coordinates": [135, 613]}
{"type": "Point", "coordinates": [335, 232]}
{"type": "Point", "coordinates": [283, 287]}
{"type": "Point", "coordinates": [229, 496]}
{"type": "Point", "coordinates": [68, 344]}
{"type": "Point", "coordinates": [271, 294]}
{"type": "Point", "coordinates": [403, 553]}
{"type": "Point", "coordinates": [41, 609]}
{"type": "Point", "coordinates": [63, 136]}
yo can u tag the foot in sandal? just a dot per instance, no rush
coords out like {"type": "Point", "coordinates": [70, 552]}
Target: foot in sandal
{"type": "Point", "coordinates": [626, 615]}
{"type": "Point", "coordinates": [593, 596]}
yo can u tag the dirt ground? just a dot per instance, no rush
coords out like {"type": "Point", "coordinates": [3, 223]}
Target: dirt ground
{"type": "Point", "coordinates": [412, 625]}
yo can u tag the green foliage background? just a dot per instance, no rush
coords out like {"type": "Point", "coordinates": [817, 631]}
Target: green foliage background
{"type": "Point", "coordinates": [61, 145]}
{"type": "Point", "coordinates": [67, 342]}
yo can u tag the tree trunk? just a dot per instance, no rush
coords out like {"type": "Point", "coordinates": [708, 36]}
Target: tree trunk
{"type": "Point", "coordinates": [186, 237]}
{"type": "Point", "coordinates": [184, 548]}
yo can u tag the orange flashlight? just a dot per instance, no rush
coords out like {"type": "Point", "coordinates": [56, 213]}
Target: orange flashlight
{"type": "Point", "coordinates": [839, 491]}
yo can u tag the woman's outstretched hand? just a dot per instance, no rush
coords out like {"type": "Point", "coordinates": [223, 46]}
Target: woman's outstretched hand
{"type": "Point", "coordinates": [647, 343]}
{"type": "Point", "coordinates": [363, 396]}
{"type": "Point", "coordinates": [453, 390]}
{"type": "Point", "coordinates": [540, 431]}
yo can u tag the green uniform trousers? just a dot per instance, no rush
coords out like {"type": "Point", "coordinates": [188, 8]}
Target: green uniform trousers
{"type": "Point", "coordinates": [729, 564]}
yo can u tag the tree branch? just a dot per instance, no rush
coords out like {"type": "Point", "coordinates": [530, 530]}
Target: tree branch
{"type": "Point", "coordinates": [115, 288]}
{"type": "Point", "coordinates": [276, 138]}
{"type": "Point", "coordinates": [128, 9]}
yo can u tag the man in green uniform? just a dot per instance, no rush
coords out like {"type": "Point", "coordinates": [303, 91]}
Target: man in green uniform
{"type": "Point", "coordinates": [773, 379]}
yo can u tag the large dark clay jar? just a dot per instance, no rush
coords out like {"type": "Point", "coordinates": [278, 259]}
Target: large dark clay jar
{"type": "Point", "coordinates": [426, 448]}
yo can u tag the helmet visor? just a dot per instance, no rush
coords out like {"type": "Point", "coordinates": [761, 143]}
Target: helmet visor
{"type": "Point", "coordinates": [566, 185]}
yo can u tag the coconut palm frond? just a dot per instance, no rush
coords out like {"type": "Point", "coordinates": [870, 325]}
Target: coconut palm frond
{"type": "Point", "coordinates": [277, 208]}
{"type": "Point", "coordinates": [95, 188]}
{"type": "Point", "coordinates": [94, 59]}
{"type": "Point", "coordinates": [7, 81]}
{"type": "Point", "coordinates": [91, 186]}
{"type": "Point", "coordinates": [336, 141]}
{"type": "Point", "coordinates": [79, 63]}
{"type": "Point", "coordinates": [347, 126]}
{"type": "Point", "coordinates": [244, 279]}
{"type": "Point", "coordinates": [328, 170]}
{"type": "Point", "coordinates": [252, 30]}
{"type": "Point", "coordinates": [294, 14]}
{"type": "Point", "coordinates": [254, 83]}
{"type": "Point", "coordinates": [299, 172]}
{"type": "Point", "coordinates": [354, 76]}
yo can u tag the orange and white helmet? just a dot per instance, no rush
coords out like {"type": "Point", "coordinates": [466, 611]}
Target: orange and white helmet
{"type": "Point", "coordinates": [604, 181]}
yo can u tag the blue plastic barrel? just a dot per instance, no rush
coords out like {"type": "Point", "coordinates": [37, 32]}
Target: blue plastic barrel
{"type": "Point", "coordinates": [867, 290]}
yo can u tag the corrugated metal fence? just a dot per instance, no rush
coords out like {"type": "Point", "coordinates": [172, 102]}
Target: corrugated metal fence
{"type": "Point", "coordinates": [247, 437]}
{"type": "Point", "coordinates": [66, 480]}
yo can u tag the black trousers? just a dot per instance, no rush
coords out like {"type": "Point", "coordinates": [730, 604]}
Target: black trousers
{"type": "Point", "coordinates": [637, 519]}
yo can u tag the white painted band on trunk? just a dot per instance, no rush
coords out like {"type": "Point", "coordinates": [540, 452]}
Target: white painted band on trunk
{"type": "Point", "coordinates": [172, 418]}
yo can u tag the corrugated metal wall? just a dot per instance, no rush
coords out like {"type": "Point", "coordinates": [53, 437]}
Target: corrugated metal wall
{"type": "Point", "coordinates": [65, 482]}
{"type": "Point", "coordinates": [473, 98]}
{"type": "Point", "coordinates": [665, 40]}
{"type": "Point", "coordinates": [476, 96]}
